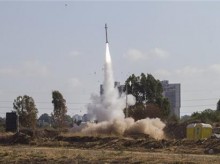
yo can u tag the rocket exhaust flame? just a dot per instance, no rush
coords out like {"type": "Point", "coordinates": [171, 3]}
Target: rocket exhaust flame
{"type": "Point", "coordinates": [108, 84]}
{"type": "Point", "coordinates": [107, 54]}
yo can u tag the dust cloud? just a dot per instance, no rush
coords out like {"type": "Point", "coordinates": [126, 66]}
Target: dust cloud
{"type": "Point", "coordinates": [151, 127]}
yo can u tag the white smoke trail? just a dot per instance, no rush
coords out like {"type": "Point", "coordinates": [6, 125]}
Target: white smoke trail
{"type": "Point", "coordinates": [108, 83]}
{"type": "Point", "coordinates": [108, 110]}
{"type": "Point", "coordinates": [109, 105]}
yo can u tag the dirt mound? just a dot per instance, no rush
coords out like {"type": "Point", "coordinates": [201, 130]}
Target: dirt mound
{"type": "Point", "coordinates": [5, 137]}
{"type": "Point", "coordinates": [25, 136]}
{"type": "Point", "coordinates": [84, 138]}
{"type": "Point", "coordinates": [135, 142]}
{"type": "Point", "coordinates": [17, 138]}
{"type": "Point", "coordinates": [115, 142]}
{"type": "Point", "coordinates": [175, 130]}
{"type": "Point", "coordinates": [46, 133]}
{"type": "Point", "coordinates": [21, 138]}
{"type": "Point", "coordinates": [211, 146]}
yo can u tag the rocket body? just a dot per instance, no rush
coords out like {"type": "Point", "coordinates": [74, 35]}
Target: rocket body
{"type": "Point", "coordinates": [106, 33]}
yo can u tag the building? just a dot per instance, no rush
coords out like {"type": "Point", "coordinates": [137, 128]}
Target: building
{"type": "Point", "coordinates": [172, 92]}
{"type": "Point", "coordinates": [12, 122]}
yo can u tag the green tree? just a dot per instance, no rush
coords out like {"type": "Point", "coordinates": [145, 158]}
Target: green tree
{"type": "Point", "coordinates": [165, 106]}
{"type": "Point", "coordinates": [206, 116]}
{"type": "Point", "coordinates": [26, 110]}
{"type": "Point", "coordinates": [173, 119]}
{"type": "Point", "coordinates": [60, 110]}
{"type": "Point", "coordinates": [141, 111]}
{"type": "Point", "coordinates": [2, 124]}
{"type": "Point", "coordinates": [218, 105]}
{"type": "Point", "coordinates": [45, 117]}
{"type": "Point", "coordinates": [147, 90]}
{"type": "Point", "coordinates": [185, 118]}
{"type": "Point", "coordinates": [44, 120]}
{"type": "Point", "coordinates": [68, 121]}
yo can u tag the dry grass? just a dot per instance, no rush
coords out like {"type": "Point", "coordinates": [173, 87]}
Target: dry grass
{"type": "Point", "coordinates": [4, 137]}
{"type": "Point", "coordinates": [4, 134]}
{"type": "Point", "coordinates": [78, 134]}
{"type": "Point", "coordinates": [78, 148]}
{"type": "Point", "coordinates": [25, 154]}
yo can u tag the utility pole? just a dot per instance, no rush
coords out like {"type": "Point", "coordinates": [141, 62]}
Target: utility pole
{"type": "Point", "coordinates": [126, 109]}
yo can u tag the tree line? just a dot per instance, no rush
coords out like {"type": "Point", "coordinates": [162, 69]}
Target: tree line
{"type": "Point", "coordinates": [150, 102]}
{"type": "Point", "coordinates": [146, 89]}
{"type": "Point", "coordinates": [27, 111]}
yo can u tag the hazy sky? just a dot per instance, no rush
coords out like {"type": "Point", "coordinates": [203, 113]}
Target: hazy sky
{"type": "Point", "coordinates": [46, 46]}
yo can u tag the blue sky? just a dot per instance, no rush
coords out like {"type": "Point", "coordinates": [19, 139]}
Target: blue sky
{"type": "Point", "coordinates": [46, 46]}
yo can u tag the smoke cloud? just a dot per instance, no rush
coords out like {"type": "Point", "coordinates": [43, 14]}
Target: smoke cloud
{"type": "Point", "coordinates": [107, 109]}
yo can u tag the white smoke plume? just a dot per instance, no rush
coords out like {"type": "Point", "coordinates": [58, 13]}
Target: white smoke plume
{"type": "Point", "coordinates": [109, 105]}
{"type": "Point", "coordinates": [107, 109]}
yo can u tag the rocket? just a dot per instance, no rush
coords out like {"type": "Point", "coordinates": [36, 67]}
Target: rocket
{"type": "Point", "coordinates": [106, 33]}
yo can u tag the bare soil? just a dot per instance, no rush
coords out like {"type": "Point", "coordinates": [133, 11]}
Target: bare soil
{"type": "Point", "coordinates": [72, 148]}
{"type": "Point", "coordinates": [32, 154]}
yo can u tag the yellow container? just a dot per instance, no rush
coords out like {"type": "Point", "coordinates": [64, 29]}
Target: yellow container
{"type": "Point", "coordinates": [198, 131]}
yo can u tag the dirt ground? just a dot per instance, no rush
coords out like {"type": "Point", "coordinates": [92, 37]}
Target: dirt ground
{"type": "Point", "coordinates": [71, 148]}
{"type": "Point", "coordinates": [30, 154]}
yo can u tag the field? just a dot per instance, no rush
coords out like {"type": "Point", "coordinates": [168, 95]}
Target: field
{"type": "Point", "coordinates": [27, 154]}
{"type": "Point", "coordinates": [49, 147]}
